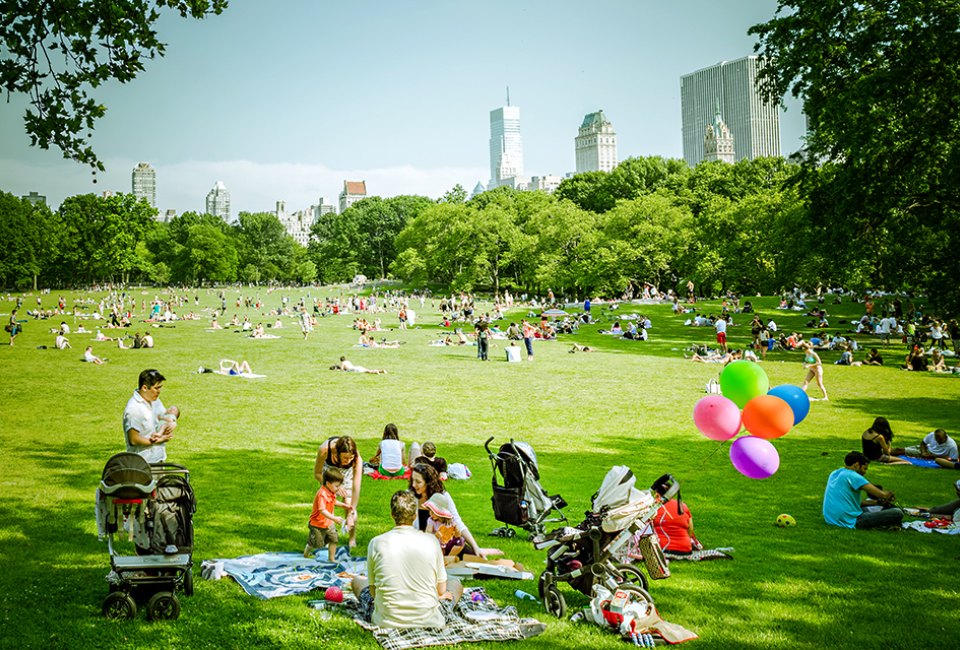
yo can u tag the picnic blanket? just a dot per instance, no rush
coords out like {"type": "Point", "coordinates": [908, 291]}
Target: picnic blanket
{"type": "Point", "coordinates": [475, 618]}
{"type": "Point", "coordinates": [245, 375]}
{"type": "Point", "coordinates": [702, 555]}
{"type": "Point", "coordinates": [271, 575]}
{"type": "Point", "coordinates": [920, 462]}
{"type": "Point", "coordinates": [919, 526]}
{"type": "Point", "coordinates": [383, 477]}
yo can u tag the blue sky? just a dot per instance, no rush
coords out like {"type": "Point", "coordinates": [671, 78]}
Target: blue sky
{"type": "Point", "coordinates": [284, 100]}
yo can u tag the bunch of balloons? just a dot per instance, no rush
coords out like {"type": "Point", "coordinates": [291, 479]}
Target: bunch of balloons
{"type": "Point", "coordinates": [747, 400]}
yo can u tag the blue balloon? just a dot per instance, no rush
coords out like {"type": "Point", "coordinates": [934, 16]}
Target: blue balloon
{"type": "Point", "coordinates": [795, 397]}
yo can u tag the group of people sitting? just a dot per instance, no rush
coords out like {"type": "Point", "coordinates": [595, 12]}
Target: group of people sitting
{"type": "Point", "coordinates": [842, 505]}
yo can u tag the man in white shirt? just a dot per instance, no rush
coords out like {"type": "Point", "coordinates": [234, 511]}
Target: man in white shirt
{"type": "Point", "coordinates": [721, 326]}
{"type": "Point", "coordinates": [936, 444]}
{"type": "Point", "coordinates": [407, 585]}
{"type": "Point", "coordinates": [141, 419]}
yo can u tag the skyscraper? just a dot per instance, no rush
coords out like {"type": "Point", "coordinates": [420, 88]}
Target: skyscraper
{"type": "Point", "coordinates": [218, 201]}
{"type": "Point", "coordinates": [753, 122]}
{"type": "Point", "coordinates": [144, 181]}
{"type": "Point", "coordinates": [506, 146]}
{"type": "Point", "coordinates": [596, 144]}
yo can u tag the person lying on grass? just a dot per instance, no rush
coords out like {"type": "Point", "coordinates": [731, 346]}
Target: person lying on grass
{"type": "Point", "coordinates": [347, 366]}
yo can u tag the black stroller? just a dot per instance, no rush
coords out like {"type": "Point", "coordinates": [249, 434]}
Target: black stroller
{"type": "Point", "coordinates": [153, 506]}
{"type": "Point", "coordinates": [520, 500]}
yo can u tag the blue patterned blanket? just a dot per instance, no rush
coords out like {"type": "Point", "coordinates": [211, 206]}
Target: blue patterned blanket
{"type": "Point", "coordinates": [271, 575]}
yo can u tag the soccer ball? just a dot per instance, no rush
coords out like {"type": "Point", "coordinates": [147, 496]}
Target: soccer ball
{"type": "Point", "coordinates": [786, 520]}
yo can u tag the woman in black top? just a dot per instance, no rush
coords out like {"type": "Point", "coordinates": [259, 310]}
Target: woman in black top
{"type": "Point", "coordinates": [876, 443]}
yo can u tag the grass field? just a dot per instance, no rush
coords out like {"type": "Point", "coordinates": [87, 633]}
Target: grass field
{"type": "Point", "coordinates": [251, 444]}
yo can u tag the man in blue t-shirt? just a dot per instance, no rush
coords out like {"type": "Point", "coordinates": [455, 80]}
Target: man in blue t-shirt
{"type": "Point", "coordinates": [841, 499]}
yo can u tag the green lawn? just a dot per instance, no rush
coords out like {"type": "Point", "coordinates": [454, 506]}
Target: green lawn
{"type": "Point", "coordinates": [251, 445]}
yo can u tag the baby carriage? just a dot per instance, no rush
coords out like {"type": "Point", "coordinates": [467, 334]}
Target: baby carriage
{"type": "Point", "coordinates": [152, 506]}
{"type": "Point", "coordinates": [520, 500]}
{"type": "Point", "coordinates": [599, 549]}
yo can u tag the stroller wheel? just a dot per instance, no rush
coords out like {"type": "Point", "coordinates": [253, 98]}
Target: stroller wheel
{"type": "Point", "coordinates": [509, 533]}
{"type": "Point", "coordinates": [119, 606]}
{"type": "Point", "coordinates": [631, 574]}
{"type": "Point", "coordinates": [638, 595]}
{"type": "Point", "coordinates": [553, 601]}
{"type": "Point", "coordinates": [188, 582]}
{"type": "Point", "coordinates": [163, 606]}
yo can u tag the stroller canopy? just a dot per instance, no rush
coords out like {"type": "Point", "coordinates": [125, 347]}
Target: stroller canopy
{"type": "Point", "coordinates": [616, 490]}
{"type": "Point", "coordinates": [127, 476]}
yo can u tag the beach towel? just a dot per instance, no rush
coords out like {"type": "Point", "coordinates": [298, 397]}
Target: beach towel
{"type": "Point", "coordinates": [475, 618]}
{"type": "Point", "coordinates": [245, 375]}
{"type": "Point", "coordinates": [271, 575]}
{"type": "Point", "coordinates": [920, 462]}
{"type": "Point", "coordinates": [920, 527]}
{"type": "Point", "coordinates": [383, 477]}
{"type": "Point", "coordinates": [705, 554]}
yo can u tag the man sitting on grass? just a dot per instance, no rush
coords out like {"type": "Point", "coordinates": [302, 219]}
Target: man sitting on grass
{"type": "Point", "coordinates": [407, 585]}
{"type": "Point", "coordinates": [841, 499]}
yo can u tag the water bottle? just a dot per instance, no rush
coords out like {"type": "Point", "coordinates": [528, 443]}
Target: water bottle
{"type": "Point", "coordinates": [522, 595]}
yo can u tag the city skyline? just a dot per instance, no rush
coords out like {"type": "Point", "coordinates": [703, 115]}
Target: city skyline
{"type": "Point", "coordinates": [403, 103]}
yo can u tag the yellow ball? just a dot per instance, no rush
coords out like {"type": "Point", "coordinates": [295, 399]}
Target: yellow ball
{"type": "Point", "coordinates": [786, 520]}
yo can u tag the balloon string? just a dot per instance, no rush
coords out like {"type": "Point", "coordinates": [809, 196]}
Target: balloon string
{"type": "Point", "coordinates": [712, 454]}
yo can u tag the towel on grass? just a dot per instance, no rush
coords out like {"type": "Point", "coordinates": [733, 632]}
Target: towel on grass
{"type": "Point", "coordinates": [700, 556]}
{"type": "Point", "coordinates": [271, 575]}
{"type": "Point", "coordinates": [920, 462]}
{"type": "Point", "coordinates": [245, 375]}
{"type": "Point", "coordinates": [383, 477]}
{"type": "Point", "coordinates": [475, 618]}
{"type": "Point", "coordinates": [919, 526]}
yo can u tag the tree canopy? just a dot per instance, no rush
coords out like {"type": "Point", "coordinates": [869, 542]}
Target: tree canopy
{"type": "Point", "coordinates": [55, 53]}
{"type": "Point", "coordinates": [880, 86]}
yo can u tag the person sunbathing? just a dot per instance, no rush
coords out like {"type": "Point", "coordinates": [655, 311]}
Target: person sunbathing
{"type": "Point", "coordinates": [347, 366]}
{"type": "Point", "coordinates": [231, 367]}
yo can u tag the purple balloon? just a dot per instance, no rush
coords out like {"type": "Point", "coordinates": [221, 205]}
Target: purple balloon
{"type": "Point", "coordinates": [717, 417]}
{"type": "Point", "coordinates": [754, 457]}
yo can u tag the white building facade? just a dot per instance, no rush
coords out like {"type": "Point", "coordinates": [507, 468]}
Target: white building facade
{"type": "Point", "coordinates": [596, 144]}
{"type": "Point", "coordinates": [353, 191]}
{"type": "Point", "coordinates": [753, 122]}
{"type": "Point", "coordinates": [718, 142]}
{"type": "Point", "coordinates": [218, 201]}
{"type": "Point", "coordinates": [144, 183]}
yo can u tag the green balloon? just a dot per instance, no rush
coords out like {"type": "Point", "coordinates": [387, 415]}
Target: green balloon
{"type": "Point", "coordinates": [741, 381]}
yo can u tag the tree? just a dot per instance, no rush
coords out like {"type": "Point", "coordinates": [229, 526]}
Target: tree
{"type": "Point", "coordinates": [264, 245]}
{"type": "Point", "coordinates": [55, 53]}
{"type": "Point", "coordinates": [880, 85]}
{"type": "Point", "coordinates": [30, 235]}
{"type": "Point", "coordinates": [587, 191]}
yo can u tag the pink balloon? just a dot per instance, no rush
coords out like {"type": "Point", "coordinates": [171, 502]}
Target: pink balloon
{"type": "Point", "coordinates": [717, 417]}
{"type": "Point", "coordinates": [754, 457]}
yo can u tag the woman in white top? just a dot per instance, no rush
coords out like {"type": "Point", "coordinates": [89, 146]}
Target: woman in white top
{"type": "Point", "coordinates": [389, 459]}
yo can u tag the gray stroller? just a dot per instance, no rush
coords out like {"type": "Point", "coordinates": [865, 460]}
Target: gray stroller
{"type": "Point", "coordinates": [152, 506]}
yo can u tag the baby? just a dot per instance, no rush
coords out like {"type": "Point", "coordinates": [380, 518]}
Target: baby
{"type": "Point", "coordinates": [168, 422]}
{"type": "Point", "coordinates": [441, 524]}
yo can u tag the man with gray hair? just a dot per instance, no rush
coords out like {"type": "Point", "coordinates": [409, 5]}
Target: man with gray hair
{"type": "Point", "coordinates": [407, 584]}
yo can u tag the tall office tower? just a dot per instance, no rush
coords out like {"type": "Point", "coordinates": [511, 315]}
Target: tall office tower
{"type": "Point", "coordinates": [717, 141]}
{"type": "Point", "coordinates": [218, 201]}
{"type": "Point", "coordinates": [145, 183]}
{"type": "Point", "coordinates": [35, 198]}
{"type": "Point", "coordinates": [353, 191]}
{"type": "Point", "coordinates": [506, 146]}
{"type": "Point", "coordinates": [596, 144]}
{"type": "Point", "coordinates": [754, 123]}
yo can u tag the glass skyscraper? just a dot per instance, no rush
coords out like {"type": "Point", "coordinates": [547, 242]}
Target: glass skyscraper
{"type": "Point", "coordinates": [506, 145]}
{"type": "Point", "coordinates": [753, 122]}
{"type": "Point", "coordinates": [144, 181]}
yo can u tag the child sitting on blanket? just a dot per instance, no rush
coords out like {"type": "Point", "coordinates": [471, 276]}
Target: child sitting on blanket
{"type": "Point", "coordinates": [440, 524]}
{"type": "Point", "coordinates": [390, 459]}
{"type": "Point", "coordinates": [323, 529]}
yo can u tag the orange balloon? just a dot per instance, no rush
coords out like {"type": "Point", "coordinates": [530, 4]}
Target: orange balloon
{"type": "Point", "coordinates": [767, 416]}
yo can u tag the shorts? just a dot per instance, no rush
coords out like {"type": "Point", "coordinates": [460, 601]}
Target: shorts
{"type": "Point", "coordinates": [722, 338]}
{"type": "Point", "coordinates": [322, 537]}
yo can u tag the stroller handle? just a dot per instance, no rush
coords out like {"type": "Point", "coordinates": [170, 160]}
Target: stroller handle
{"type": "Point", "coordinates": [486, 445]}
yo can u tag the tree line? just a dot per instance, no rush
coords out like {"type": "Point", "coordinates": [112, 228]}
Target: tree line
{"type": "Point", "coordinates": [748, 227]}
